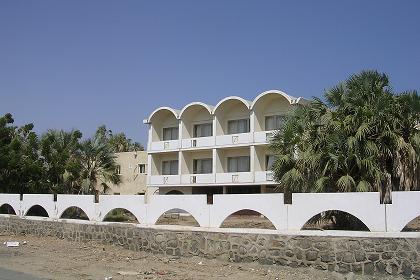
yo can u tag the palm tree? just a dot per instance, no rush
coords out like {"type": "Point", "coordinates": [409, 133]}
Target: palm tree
{"type": "Point", "coordinates": [60, 152]}
{"type": "Point", "coordinates": [361, 138]}
{"type": "Point", "coordinates": [98, 166]}
{"type": "Point", "coordinates": [119, 141]}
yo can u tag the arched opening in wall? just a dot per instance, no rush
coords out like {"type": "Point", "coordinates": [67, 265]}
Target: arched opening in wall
{"type": "Point", "coordinates": [120, 215]}
{"type": "Point", "coordinates": [7, 209]}
{"type": "Point", "coordinates": [413, 225]}
{"type": "Point", "coordinates": [178, 217]}
{"type": "Point", "coordinates": [74, 213]}
{"type": "Point", "coordinates": [174, 192]}
{"type": "Point", "coordinates": [247, 219]}
{"type": "Point", "coordinates": [37, 210]}
{"type": "Point", "coordinates": [335, 220]}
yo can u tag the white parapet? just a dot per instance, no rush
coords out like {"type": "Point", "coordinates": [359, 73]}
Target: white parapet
{"type": "Point", "coordinates": [270, 205]}
{"type": "Point", "coordinates": [364, 206]}
{"type": "Point", "coordinates": [133, 203]}
{"type": "Point", "coordinates": [13, 200]}
{"type": "Point", "coordinates": [405, 207]}
{"type": "Point", "coordinates": [285, 217]}
{"type": "Point", "coordinates": [196, 205]}
{"type": "Point", "coordinates": [84, 202]}
{"type": "Point", "coordinates": [44, 200]}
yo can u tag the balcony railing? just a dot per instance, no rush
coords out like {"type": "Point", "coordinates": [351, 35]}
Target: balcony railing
{"type": "Point", "coordinates": [165, 179]}
{"type": "Point", "coordinates": [164, 145]}
{"type": "Point", "coordinates": [239, 177]}
{"type": "Point", "coordinates": [234, 139]}
{"type": "Point", "coordinates": [264, 177]}
{"type": "Point", "coordinates": [198, 142]}
{"type": "Point", "coordinates": [198, 178]}
{"type": "Point", "coordinates": [264, 136]}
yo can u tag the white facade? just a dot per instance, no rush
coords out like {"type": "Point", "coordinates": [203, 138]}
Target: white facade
{"type": "Point", "coordinates": [233, 137]}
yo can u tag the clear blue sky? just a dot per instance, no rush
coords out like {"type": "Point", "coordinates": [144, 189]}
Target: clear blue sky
{"type": "Point", "coordinates": [79, 64]}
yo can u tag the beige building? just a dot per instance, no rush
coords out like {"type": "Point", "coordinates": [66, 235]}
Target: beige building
{"type": "Point", "coordinates": [132, 167]}
{"type": "Point", "coordinates": [204, 149]}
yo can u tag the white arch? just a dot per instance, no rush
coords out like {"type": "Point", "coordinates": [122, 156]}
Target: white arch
{"type": "Point", "coordinates": [84, 202]}
{"type": "Point", "coordinates": [13, 200]}
{"type": "Point", "coordinates": [245, 102]}
{"type": "Point", "coordinates": [46, 201]}
{"type": "Point", "coordinates": [209, 108]}
{"type": "Point", "coordinates": [195, 205]}
{"type": "Point", "coordinates": [270, 205]}
{"type": "Point", "coordinates": [173, 111]}
{"type": "Point", "coordinates": [367, 209]}
{"type": "Point", "coordinates": [133, 203]}
{"type": "Point", "coordinates": [404, 208]}
{"type": "Point", "coordinates": [289, 98]}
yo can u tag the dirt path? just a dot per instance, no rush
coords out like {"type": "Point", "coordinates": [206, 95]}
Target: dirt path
{"type": "Point", "coordinates": [52, 258]}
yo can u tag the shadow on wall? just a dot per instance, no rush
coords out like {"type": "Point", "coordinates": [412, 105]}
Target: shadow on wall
{"type": "Point", "coordinates": [247, 219]}
{"type": "Point", "coordinates": [173, 192]}
{"type": "Point", "coordinates": [7, 209]}
{"type": "Point", "coordinates": [178, 217]}
{"type": "Point", "coordinates": [74, 213]}
{"type": "Point", "coordinates": [335, 220]}
{"type": "Point", "coordinates": [37, 210]}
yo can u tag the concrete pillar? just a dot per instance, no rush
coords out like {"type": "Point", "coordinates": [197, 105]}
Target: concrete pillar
{"type": "Point", "coordinates": [252, 125]}
{"type": "Point", "coordinates": [263, 189]}
{"type": "Point", "coordinates": [180, 132]}
{"type": "Point", "coordinates": [252, 161]}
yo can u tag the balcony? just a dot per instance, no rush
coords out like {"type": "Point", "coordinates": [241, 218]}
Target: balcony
{"type": "Point", "coordinates": [239, 177]}
{"type": "Point", "coordinates": [199, 142]}
{"type": "Point", "coordinates": [263, 137]}
{"type": "Point", "coordinates": [234, 139]}
{"type": "Point", "coordinates": [164, 179]}
{"type": "Point", "coordinates": [198, 178]}
{"type": "Point", "coordinates": [164, 145]}
{"type": "Point", "coordinates": [266, 177]}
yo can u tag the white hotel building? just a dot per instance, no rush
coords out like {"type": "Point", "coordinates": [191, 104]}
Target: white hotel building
{"type": "Point", "coordinates": [204, 149]}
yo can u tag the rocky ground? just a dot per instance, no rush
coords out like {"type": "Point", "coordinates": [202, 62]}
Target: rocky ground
{"type": "Point", "coordinates": [51, 258]}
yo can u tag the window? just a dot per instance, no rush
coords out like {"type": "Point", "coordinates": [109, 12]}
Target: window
{"type": "Point", "coordinates": [269, 161]}
{"type": "Point", "coordinates": [170, 167]}
{"type": "Point", "coordinates": [238, 126]}
{"type": "Point", "coordinates": [203, 166]}
{"type": "Point", "coordinates": [203, 130]}
{"type": "Point", "coordinates": [239, 164]}
{"type": "Point", "coordinates": [142, 168]}
{"type": "Point", "coordinates": [118, 169]}
{"type": "Point", "coordinates": [274, 122]}
{"type": "Point", "coordinates": [170, 133]}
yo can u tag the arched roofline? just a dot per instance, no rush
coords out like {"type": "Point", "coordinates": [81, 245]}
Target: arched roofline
{"type": "Point", "coordinates": [290, 99]}
{"type": "Point", "coordinates": [209, 108]}
{"type": "Point", "coordinates": [245, 102]}
{"type": "Point", "coordinates": [173, 111]}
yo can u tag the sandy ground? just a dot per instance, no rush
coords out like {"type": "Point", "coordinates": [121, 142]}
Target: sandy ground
{"type": "Point", "coordinates": [51, 258]}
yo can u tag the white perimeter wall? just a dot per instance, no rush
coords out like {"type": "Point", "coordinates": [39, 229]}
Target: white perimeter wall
{"type": "Point", "coordinates": [365, 206]}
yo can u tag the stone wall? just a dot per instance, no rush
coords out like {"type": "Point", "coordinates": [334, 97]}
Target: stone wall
{"type": "Point", "coordinates": [360, 255]}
